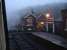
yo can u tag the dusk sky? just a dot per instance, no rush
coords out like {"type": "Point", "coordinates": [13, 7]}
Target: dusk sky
{"type": "Point", "coordinates": [15, 5]}
{"type": "Point", "coordinates": [18, 4]}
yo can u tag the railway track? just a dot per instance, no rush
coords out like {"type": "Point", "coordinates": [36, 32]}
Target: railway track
{"type": "Point", "coordinates": [24, 41]}
{"type": "Point", "coordinates": [27, 41]}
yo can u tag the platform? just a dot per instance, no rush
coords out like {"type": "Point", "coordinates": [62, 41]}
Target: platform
{"type": "Point", "coordinates": [58, 40]}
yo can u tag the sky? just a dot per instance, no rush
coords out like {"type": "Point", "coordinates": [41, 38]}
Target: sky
{"type": "Point", "coordinates": [15, 5]}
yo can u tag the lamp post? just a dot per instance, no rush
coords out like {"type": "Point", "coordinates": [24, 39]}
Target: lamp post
{"type": "Point", "coordinates": [47, 16]}
{"type": "Point", "coordinates": [50, 19]}
{"type": "Point", "coordinates": [53, 25]}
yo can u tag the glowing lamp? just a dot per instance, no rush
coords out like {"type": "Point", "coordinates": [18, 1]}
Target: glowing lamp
{"type": "Point", "coordinates": [47, 15]}
{"type": "Point", "coordinates": [41, 22]}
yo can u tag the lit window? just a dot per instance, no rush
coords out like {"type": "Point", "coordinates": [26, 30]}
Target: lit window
{"type": "Point", "coordinates": [29, 29]}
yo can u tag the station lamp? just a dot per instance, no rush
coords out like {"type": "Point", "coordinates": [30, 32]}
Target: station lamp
{"type": "Point", "coordinates": [47, 15]}
{"type": "Point", "coordinates": [42, 22]}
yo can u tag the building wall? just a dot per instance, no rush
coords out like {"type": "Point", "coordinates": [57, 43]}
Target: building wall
{"type": "Point", "coordinates": [64, 14]}
{"type": "Point", "coordinates": [59, 27]}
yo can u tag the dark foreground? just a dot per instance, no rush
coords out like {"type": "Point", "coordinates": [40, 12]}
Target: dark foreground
{"type": "Point", "coordinates": [27, 41]}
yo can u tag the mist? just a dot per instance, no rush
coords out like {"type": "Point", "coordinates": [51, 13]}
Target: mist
{"type": "Point", "coordinates": [15, 9]}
